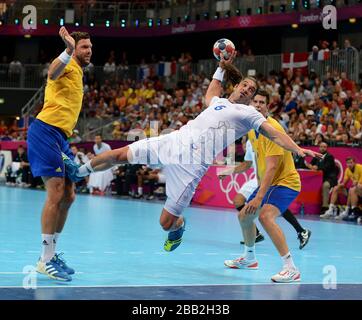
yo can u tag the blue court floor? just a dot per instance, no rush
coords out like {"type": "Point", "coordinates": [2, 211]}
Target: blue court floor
{"type": "Point", "coordinates": [116, 247]}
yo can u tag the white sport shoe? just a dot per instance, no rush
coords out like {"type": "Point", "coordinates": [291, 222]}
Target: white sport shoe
{"type": "Point", "coordinates": [242, 263]}
{"type": "Point", "coordinates": [328, 214]}
{"type": "Point", "coordinates": [287, 275]}
{"type": "Point", "coordinates": [342, 215]}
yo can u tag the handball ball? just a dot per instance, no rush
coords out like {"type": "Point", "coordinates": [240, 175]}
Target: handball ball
{"type": "Point", "coordinates": [224, 46]}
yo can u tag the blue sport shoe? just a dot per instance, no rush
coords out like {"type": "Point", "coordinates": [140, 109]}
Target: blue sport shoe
{"type": "Point", "coordinates": [62, 263]}
{"type": "Point", "coordinates": [53, 271]}
{"type": "Point", "coordinates": [174, 238]}
{"type": "Point", "coordinates": [71, 168]}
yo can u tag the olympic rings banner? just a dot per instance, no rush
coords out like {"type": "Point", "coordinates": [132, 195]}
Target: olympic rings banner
{"type": "Point", "coordinates": [220, 193]}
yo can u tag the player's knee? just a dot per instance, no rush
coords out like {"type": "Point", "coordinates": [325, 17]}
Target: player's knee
{"type": "Point", "coordinates": [55, 191]}
{"type": "Point", "coordinates": [265, 218]}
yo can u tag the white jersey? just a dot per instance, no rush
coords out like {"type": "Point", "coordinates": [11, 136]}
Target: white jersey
{"type": "Point", "coordinates": [218, 126]}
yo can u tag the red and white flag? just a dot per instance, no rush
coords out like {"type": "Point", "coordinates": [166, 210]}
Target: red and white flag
{"type": "Point", "coordinates": [295, 61]}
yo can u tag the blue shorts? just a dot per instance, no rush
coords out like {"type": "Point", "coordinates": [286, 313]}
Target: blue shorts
{"type": "Point", "coordinates": [45, 144]}
{"type": "Point", "coordinates": [278, 196]}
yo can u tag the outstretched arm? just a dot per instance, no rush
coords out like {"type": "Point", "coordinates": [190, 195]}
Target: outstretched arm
{"type": "Point", "coordinates": [57, 66]}
{"type": "Point", "coordinates": [285, 141]}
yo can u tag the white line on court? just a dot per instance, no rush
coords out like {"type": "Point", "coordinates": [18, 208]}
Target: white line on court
{"type": "Point", "coordinates": [211, 254]}
{"type": "Point", "coordinates": [136, 252]}
{"type": "Point", "coordinates": [110, 252]}
{"type": "Point", "coordinates": [7, 251]}
{"type": "Point", "coordinates": [335, 256]}
{"type": "Point", "coordinates": [86, 252]}
{"type": "Point", "coordinates": [184, 285]}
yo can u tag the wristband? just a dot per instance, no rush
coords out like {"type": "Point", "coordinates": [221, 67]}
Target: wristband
{"type": "Point", "coordinates": [64, 57]}
{"type": "Point", "coordinates": [219, 74]}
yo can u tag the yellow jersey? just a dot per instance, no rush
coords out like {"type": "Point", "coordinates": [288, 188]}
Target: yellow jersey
{"type": "Point", "coordinates": [355, 176]}
{"type": "Point", "coordinates": [286, 175]}
{"type": "Point", "coordinates": [63, 99]}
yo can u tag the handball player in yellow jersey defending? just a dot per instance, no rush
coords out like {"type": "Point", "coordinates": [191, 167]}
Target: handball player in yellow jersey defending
{"type": "Point", "coordinates": [47, 140]}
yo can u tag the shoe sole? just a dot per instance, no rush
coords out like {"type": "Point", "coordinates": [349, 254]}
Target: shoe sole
{"type": "Point", "coordinates": [53, 277]}
{"type": "Point", "coordinates": [288, 281]}
{"type": "Point", "coordinates": [241, 268]}
{"type": "Point", "coordinates": [302, 246]}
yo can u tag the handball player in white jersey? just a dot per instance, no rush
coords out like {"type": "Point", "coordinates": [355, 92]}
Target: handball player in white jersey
{"type": "Point", "coordinates": [187, 153]}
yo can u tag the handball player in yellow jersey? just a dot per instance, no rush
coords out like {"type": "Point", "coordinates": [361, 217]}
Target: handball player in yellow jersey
{"type": "Point", "coordinates": [279, 185]}
{"type": "Point", "coordinates": [47, 140]}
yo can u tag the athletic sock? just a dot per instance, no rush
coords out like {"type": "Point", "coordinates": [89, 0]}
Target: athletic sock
{"type": "Point", "coordinates": [47, 247]}
{"type": "Point", "coordinates": [55, 240]}
{"type": "Point", "coordinates": [289, 216]}
{"type": "Point", "coordinates": [288, 262]}
{"type": "Point", "coordinates": [332, 206]}
{"type": "Point", "coordinates": [249, 252]}
{"type": "Point", "coordinates": [140, 191]}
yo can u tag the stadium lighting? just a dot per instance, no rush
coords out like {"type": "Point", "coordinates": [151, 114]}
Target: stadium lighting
{"type": "Point", "coordinates": [16, 21]}
{"type": "Point", "coordinates": [168, 21]}
{"type": "Point", "coordinates": [108, 24]}
{"type": "Point", "coordinates": [1, 22]}
{"type": "Point", "coordinates": [137, 23]}
{"type": "Point", "coordinates": [227, 14]}
{"type": "Point", "coordinates": [306, 4]}
{"type": "Point", "coordinates": [159, 22]}
{"type": "Point", "coordinates": [123, 23]}
{"type": "Point", "coordinates": [295, 26]}
{"type": "Point", "coordinates": [352, 20]}
{"type": "Point", "coordinates": [61, 22]}
{"type": "Point", "coordinates": [46, 21]}
{"type": "Point", "coordinates": [150, 23]}
{"type": "Point", "coordinates": [77, 24]}
{"type": "Point", "coordinates": [217, 15]}
{"type": "Point", "coordinates": [187, 18]}
{"type": "Point", "coordinates": [294, 4]}
{"type": "Point", "coordinates": [259, 10]}
{"type": "Point", "coordinates": [282, 8]}
{"type": "Point", "coordinates": [92, 24]}
{"type": "Point", "coordinates": [206, 16]}
{"type": "Point", "coordinates": [237, 12]}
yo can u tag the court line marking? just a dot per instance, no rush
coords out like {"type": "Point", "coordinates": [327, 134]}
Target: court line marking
{"type": "Point", "coordinates": [182, 285]}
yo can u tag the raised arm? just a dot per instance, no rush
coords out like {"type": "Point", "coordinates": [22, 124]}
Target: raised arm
{"type": "Point", "coordinates": [215, 87]}
{"type": "Point", "coordinates": [57, 66]}
{"type": "Point", "coordinates": [285, 141]}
